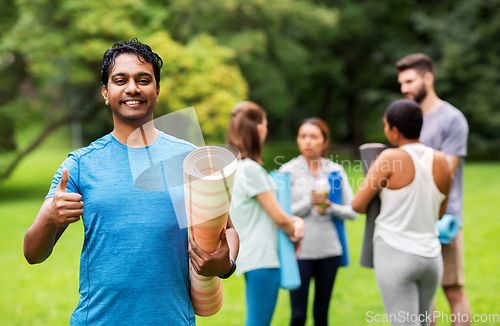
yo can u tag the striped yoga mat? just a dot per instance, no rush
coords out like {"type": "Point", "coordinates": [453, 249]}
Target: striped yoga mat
{"type": "Point", "coordinates": [209, 174]}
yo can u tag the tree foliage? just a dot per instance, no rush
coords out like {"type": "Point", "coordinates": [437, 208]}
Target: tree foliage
{"type": "Point", "coordinates": [198, 75]}
{"type": "Point", "coordinates": [335, 59]}
{"type": "Point", "coordinates": [299, 58]}
{"type": "Point", "coordinates": [466, 35]}
{"type": "Point", "coordinates": [51, 54]}
{"type": "Point", "coordinates": [282, 47]}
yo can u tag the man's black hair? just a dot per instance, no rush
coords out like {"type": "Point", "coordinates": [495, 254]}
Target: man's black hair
{"type": "Point", "coordinates": [406, 115]}
{"type": "Point", "coordinates": [141, 50]}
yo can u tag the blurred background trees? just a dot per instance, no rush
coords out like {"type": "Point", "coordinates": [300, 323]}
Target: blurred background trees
{"type": "Point", "coordinates": [51, 57]}
{"type": "Point", "coordinates": [303, 58]}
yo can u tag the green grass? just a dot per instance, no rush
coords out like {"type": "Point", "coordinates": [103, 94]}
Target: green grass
{"type": "Point", "coordinates": [46, 294]}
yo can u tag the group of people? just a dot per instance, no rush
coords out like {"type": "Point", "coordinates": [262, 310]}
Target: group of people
{"type": "Point", "coordinates": [134, 260]}
{"type": "Point", "coordinates": [258, 218]}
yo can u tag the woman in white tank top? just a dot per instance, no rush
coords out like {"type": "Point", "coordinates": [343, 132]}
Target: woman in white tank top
{"type": "Point", "coordinates": [412, 181]}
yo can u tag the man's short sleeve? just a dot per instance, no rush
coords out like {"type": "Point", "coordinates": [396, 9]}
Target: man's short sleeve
{"type": "Point", "coordinates": [455, 138]}
{"type": "Point", "coordinates": [257, 179]}
{"type": "Point", "coordinates": [71, 163]}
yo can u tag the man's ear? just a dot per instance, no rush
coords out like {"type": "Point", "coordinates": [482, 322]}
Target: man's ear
{"type": "Point", "coordinates": [429, 79]}
{"type": "Point", "coordinates": [157, 92]}
{"type": "Point", "coordinates": [104, 93]}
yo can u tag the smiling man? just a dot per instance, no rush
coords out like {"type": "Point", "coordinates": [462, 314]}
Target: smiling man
{"type": "Point", "coordinates": [445, 129]}
{"type": "Point", "coordinates": [134, 260]}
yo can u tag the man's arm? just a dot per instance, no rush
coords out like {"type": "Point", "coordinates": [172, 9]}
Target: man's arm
{"type": "Point", "coordinates": [219, 262]}
{"type": "Point", "coordinates": [453, 162]}
{"type": "Point", "coordinates": [51, 221]}
{"type": "Point", "coordinates": [442, 178]}
{"type": "Point", "coordinates": [454, 143]}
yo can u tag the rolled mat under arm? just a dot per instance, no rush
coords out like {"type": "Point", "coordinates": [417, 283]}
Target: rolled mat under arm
{"type": "Point", "coordinates": [335, 196]}
{"type": "Point", "coordinates": [209, 174]}
{"type": "Point", "coordinates": [289, 270]}
{"type": "Point", "coordinates": [369, 153]}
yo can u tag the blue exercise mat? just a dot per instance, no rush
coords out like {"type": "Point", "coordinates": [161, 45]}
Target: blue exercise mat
{"type": "Point", "coordinates": [448, 228]}
{"type": "Point", "coordinates": [289, 270]}
{"type": "Point", "coordinates": [335, 196]}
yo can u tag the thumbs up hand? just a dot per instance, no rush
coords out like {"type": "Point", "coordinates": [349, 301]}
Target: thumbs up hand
{"type": "Point", "coordinates": [66, 207]}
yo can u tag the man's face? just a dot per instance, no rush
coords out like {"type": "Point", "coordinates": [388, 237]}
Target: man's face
{"type": "Point", "coordinates": [412, 85]}
{"type": "Point", "coordinates": [132, 92]}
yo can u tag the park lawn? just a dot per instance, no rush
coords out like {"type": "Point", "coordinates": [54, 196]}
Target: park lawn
{"type": "Point", "coordinates": [46, 294]}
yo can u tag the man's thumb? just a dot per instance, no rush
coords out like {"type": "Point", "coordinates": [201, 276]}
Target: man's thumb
{"type": "Point", "coordinates": [64, 180]}
{"type": "Point", "coordinates": [223, 239]}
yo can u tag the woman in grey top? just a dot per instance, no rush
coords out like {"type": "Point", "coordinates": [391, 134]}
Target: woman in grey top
{"type": "Point", "coordinates": [321, 248]}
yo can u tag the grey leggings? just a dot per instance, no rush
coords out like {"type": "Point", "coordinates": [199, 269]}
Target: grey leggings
{"type": "Point", "coordinates": [408, 283]}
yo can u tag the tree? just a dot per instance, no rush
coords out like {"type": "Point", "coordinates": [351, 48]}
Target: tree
{"type": "Point", "coordinates": [335, 59]}
{"type": "Point", "coordinates": [468, 66]}
{"type": "Point", "coordinates": [302, 58]}
{"type": "Point", "coordinates": [53, 51]}
{"type": "Point", "coordinates": [282, 47]}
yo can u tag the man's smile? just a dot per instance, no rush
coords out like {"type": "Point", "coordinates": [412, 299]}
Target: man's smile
{"type": "Point", "coordinates": [132, 102]}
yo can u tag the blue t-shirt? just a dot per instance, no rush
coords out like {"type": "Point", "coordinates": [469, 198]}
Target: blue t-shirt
{"type": "Point", "coordinates": [134, 261]}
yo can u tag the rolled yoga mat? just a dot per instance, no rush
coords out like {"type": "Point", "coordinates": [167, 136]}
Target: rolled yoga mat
{"type": "Point", "coordinates": [209, 174]}
{"type": "Point", "coordinates": [447, 227]}
{"type": "Point", "coordinates": [289, 268]}
{"type": "Point", "coordinates": [369, 153]}
{"type": "Point", "coordinates": [335, 196]}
